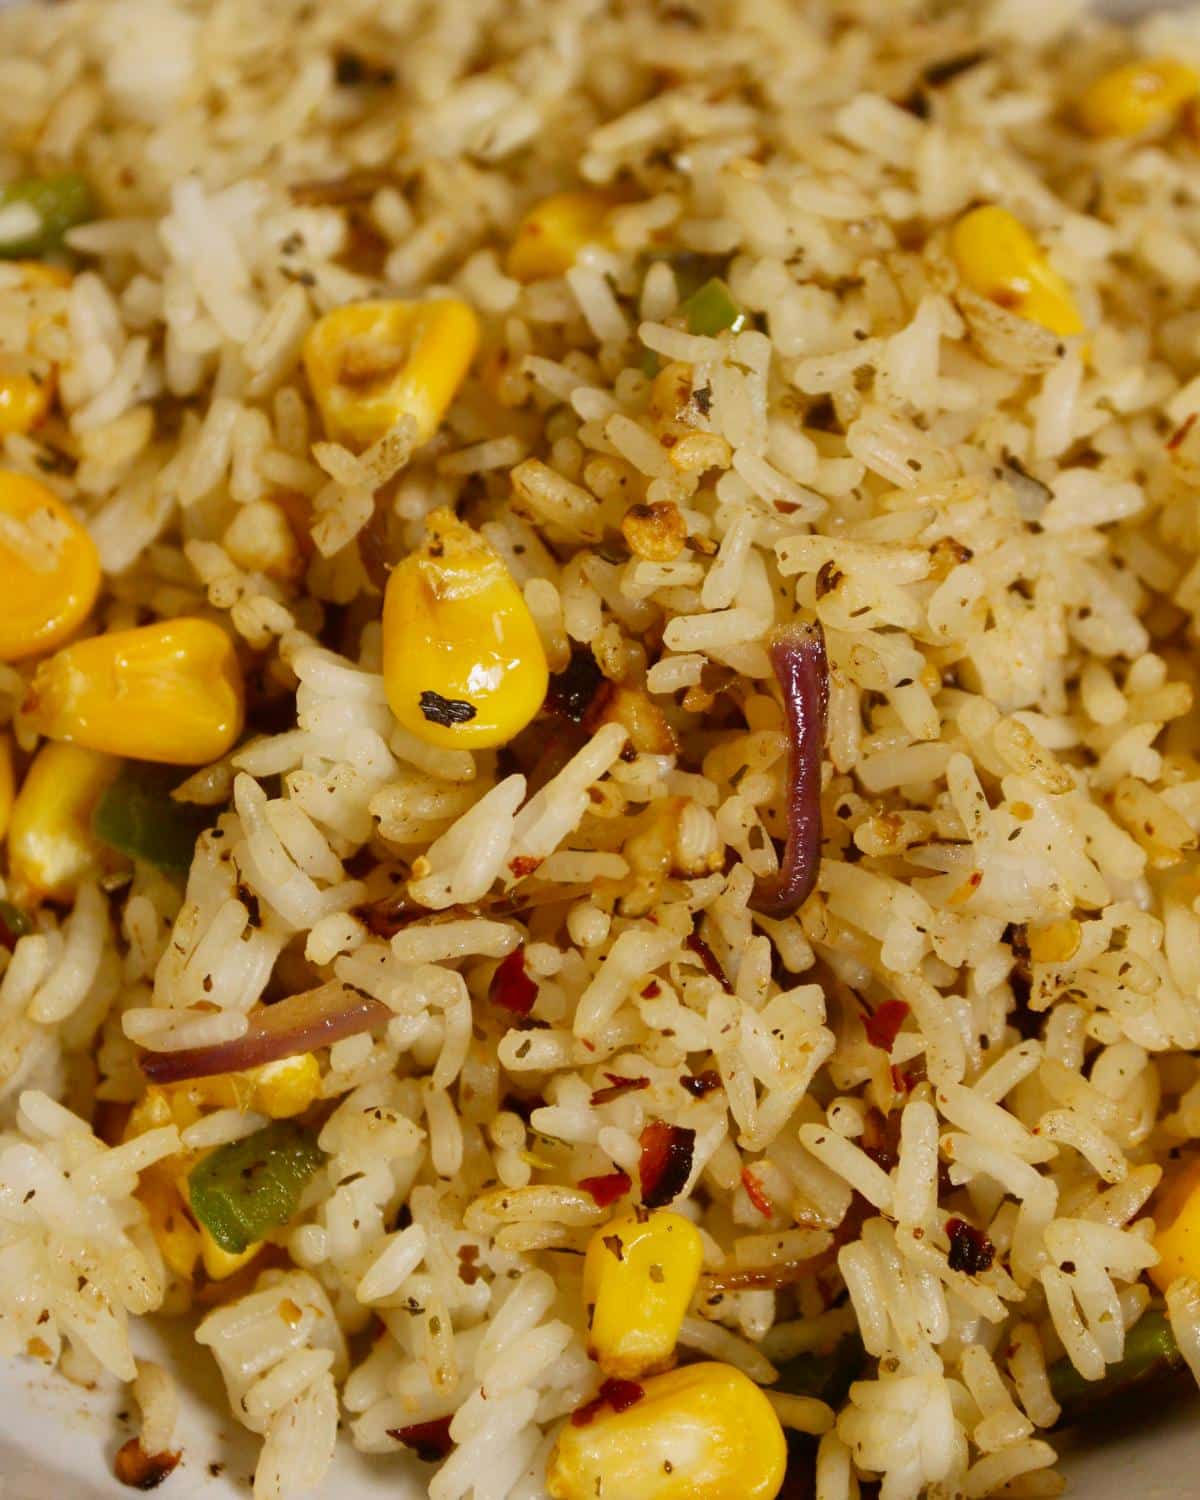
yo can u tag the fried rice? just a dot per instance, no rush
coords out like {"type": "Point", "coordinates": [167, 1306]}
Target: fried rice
{"type": "Point", "coordinates": [900, 991]}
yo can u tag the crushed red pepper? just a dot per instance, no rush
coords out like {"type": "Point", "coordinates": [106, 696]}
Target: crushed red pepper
{"type": "Point", "coordinates": [617, 1085]}
{"type": "Point", "coordinates": [619, 1395]}
{"type": "Point", "coordinates": [511, 987]}
{"type": "Point", "coordinates": [430, 1441]}
{"type": "Point", "coordinates": [884, 1026]}
{"type": "Point", "coordinates": [756, 1194]}
{"type": "Point", "coordinates": [666, 1162]}
{"type": "Point", "coordinates": [608, 1188]}
{"type": "Point", "coordinates": [970, 1249]}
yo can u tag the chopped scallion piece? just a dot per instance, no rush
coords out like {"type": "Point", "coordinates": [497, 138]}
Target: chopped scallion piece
{"type": "Point", "coordinates": [711, 310]}
{"type": "Point", "coordinates": [14, 924]}
{"type": "Point", "coordinates": [1150, 1353]}
{"type": "Point", "coordinates": [137, 816]}
{"type": "Point", "coordinates": [55, 204]}
{"type": "Point", "coordinates": [244, 1189]}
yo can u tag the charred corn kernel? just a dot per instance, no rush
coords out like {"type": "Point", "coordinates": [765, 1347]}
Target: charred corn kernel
{"type": "Point", "coordinates": [638, 1278]}
{"type": "Point", "coordinates": [1137, 97]}
{"type": "Point", "coordinates": [49, 569]}
{"type": "Point", "coordinates": [287, 1087]}
{"type": "Point", "coordinates": [7, 782]}
{"type": "Point", "coordinates": [463, 663]}
{"type": "Point", "coordinates": [554, 231]}
{"type": "Point", "coordinates": [50, 843]}
{"type": "Point", "coordinates": [26, 395]}
{"type": "Point", "coordinates": [371, 363]}
{"type": "Point", "coordinates": [1177, 1215]}
{"type": "Point", "coordinates": [999, 259]}
{"type": "Point", "coordinates": [704, 1429]}
{"type": "Point", "coordinates": [169, 692]}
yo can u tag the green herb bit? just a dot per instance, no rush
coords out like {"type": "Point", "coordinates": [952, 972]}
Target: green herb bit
{"type": "Point", "coordinates": [58, 203]}
{"type": "Point", "coordinates": [14, 924]}
{"type": "Point", "coordinates": [1150, 1353]}
{"type": "Point", "coordinates": [137, 816]}
{"type": "Point", "coordinates": [244, 1189]}
{"type": "Point", "coordinates": [712, 309]}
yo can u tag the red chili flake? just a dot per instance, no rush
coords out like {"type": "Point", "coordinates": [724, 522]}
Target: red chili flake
{"type": "Point", "coordinates": [524, 864]}
{"type": "Point", "coordinates": [884, 1026]}
{"type": "Point", "coordinates": [652, 990]}
{"type": "Point", "coordinates": [666, 1162]}
{"type": "Point", "coordinates": [1177, 437]}
{"type": "Point", "coordinates": [699, 1084]}
{"type": "Point", "coordinates": [881, 1138]}
{"type": "Point", "coordinates": [620, 1395]}
{"type": "Point", "coordinates": [618, 1086]}
{"type": "Point", "coordinates": [511, 988]}
{"type": "Point", "coordinates": [755, 1193]}
{"type": "Point", "coordinates": [607, 1189]}
{"type": "Point", "coordinates": [970, 1249]}
{"type": "Point", "coordinates": [707, 957]}
{"type": "Point", "coordinates": [430, 1441]}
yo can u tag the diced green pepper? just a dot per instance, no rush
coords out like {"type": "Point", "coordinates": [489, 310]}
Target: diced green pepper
{"type": "Point", "coordinates": [137, 816]}
{"type": "Point", "coordinates": [14, 924]}
{"type": "Point", "coordinates": [1150, 1353]}
{"type": "Point", "coordinates": [649, 363]}
{"type": "Point", "coordinates": [244, 1189]}
{"type": "Point", "coordinates": [826, 1376]}
{"type": "Point", "coordinates": [60, 202]}
{"type": "Point", "coordinates": [711, 310]}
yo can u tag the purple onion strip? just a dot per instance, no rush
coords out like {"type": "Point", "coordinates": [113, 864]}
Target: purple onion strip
{"type": "Point", "coordinates": [798, 658]}
{"type": "Point", "coordinates": [301, 1023]}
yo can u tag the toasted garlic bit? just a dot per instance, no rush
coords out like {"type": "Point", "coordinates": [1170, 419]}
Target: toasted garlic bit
{"type": "Point", "coordinates": [169, 692]}
{"type": "Point", "coordinates": [551, 235]}
{"type": "Point", "coordinates": [26, 394]}
{"type": "Point", "coordinates": [1140, 96]}
{"type": "Point", "coordinates": [705, 1429]}
{"type": "Point", "coordinates": [655, 532]}
{"type": "Point", "coordinates": [999, 259]}
{"type": "Point", "coordinates": [50, 843]}
{"type": "Point", "coordinates": [371, 363]}
{"type": "Point", "coordinates": [638, 1279]}
{"type": "Point", "coordinates": [463, 664]}
{"type": "Point", "coordinates": [49, 569]}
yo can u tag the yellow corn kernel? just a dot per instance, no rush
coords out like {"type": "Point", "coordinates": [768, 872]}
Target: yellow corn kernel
{"type": "Point", "coordinates": [49, 569]}
{"type": "Point", "coordinates": [7, 782]}
{"type": "Point", "coordinates": [704, 1429]}
{"type": "Point", "coordinates": [177, 1235]}
{"type": "Point", "coordinates": [1139, 96]}
{"type": "Point", "coordinates": [287, 1087]}
{"type": "Point", "coordinates": [26, 395]}
{"type": "Point", "coordinates": [999, 259]}
{"type": "Point", "coordinates": [1177, 1215]}
{"type": "Point", "coordinates": [463, 664]}
{"type": "Point", "coordinates": [50, 843]}
{"type": "Point", "coordinates": [371, 363]}
{"type": "Point", "coordinates": [554, 231]}
{"type": "Point", "coordinates": [638, 1278]}
{"type": "Point", "coordinates": [169, 692]}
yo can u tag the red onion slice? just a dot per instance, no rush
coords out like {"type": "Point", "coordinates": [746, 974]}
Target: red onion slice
{"type": "Point", "coordinates": [301, 1023]}
{"type": "Point", "coordinates": [798, 658]}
